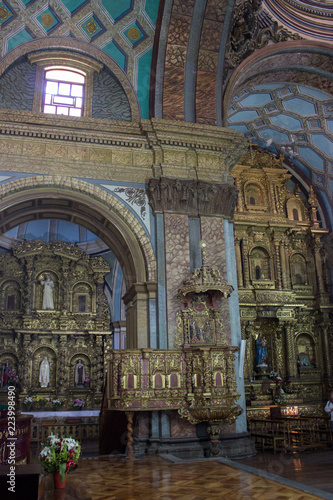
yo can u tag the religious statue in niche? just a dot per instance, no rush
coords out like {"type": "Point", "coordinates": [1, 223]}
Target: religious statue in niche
{"type": "Point", "coordinates": [44, 372]}
{"type": "Point", "coordinates": [8, 376]}
{"type": "Point", "coordinates": [80, 373]}
{"type": "Point", "coordinates": [261, 350]}
{"type": "Point", "coordinates": [48, 283]}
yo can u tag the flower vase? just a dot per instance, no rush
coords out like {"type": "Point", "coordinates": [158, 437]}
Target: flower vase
{"type": "Point", "coordinates": [58, 485]}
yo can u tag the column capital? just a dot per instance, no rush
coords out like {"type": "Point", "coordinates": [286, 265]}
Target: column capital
{"type": "Point", "coordinates": [192, 197]}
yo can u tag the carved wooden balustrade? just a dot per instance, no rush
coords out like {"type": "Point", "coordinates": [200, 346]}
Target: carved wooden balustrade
{"type": "Point", "coordinates": [199, 382]}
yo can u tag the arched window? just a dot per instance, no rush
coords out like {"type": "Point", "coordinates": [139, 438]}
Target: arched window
{"type": "Point", "coordinates": [295, 214]}
{"type": "Point", "coordinates": [252, 200]}
{"type": "Point", "coordinates": [63, 91]}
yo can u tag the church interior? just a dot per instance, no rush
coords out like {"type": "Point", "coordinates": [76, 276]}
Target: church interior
{"type": "Point", "coordinates": [166, 244]}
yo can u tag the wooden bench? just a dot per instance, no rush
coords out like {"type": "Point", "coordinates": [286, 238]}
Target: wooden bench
{"type": "Point", "coordinates": [268, 434]}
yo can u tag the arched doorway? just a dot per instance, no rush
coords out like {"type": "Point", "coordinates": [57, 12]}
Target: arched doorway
{"type": "Point", "coordinates": [56, 197]}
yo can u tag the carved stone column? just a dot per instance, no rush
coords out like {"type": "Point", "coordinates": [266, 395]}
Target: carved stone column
{"type": "Point", "coordinates": [137, 316]}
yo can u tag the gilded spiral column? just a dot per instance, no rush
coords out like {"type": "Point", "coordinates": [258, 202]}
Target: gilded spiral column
{"type": "Point", "coordinates": [291, 361]}
{"type": "Point", "coordinates": [245, 261]}
{"type": "Point", "coordinates": [129, 448]}
{"type": "Point", "coordinates": [326, 350]}
{"type": "Point", "coordinates": [278, 263]}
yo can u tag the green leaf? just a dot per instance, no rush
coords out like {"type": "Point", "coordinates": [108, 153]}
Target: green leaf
{"type": "Point", "coordinates": [62, 470]}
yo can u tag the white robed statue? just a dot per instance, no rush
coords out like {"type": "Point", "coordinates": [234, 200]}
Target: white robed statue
{"type": "Point", "coordinates": [80, 373]}
{"type": "Point", "coordinates": [48, 292]}
{"type": "Point", "coordinates": [44, 372]}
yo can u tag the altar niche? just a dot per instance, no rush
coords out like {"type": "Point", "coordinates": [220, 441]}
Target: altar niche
{"type": "Point", "coordinates": [55, 321]}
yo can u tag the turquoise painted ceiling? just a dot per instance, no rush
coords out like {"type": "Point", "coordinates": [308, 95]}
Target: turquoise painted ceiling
{"type": "Point", "coordinates": [124, 29]}
{"type": "Point", "coordinates": [292, 119]}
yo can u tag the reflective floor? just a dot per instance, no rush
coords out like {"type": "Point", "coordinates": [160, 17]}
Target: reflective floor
{"type": "Point", "coordinates": [266, 477]}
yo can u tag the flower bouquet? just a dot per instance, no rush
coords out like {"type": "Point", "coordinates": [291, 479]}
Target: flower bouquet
{"type": "Point", "coordinates": [42, 402]}
{"type": "Point", "coordinates": [28, 402]}
{"type": "Point", "coordinates": [56, 403]}
{"type": "Point", "coordinates": [78, 403]}
{"type": "Point", "coordinates": [59, 455]}
{"type": "Point", "coordinates": [86, 382]}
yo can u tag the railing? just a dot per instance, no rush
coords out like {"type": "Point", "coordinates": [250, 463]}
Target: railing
{"type": "Point", "coordinates": [74, 429]}
{"type": "Point", "coordinates": [149, 379]}
{"type": "Point", "coordinates": [20, 446]}
{"type": "Point", "coordinates": [291, 433]}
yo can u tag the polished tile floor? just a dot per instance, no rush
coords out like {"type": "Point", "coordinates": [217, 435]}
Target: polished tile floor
{"type": "Point", "coordinates": [307, 476]}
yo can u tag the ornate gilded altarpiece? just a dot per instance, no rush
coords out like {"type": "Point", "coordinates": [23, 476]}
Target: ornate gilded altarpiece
{"type": "Point", "coordinates": [72, 325]}
{"type": "Point", "coordinates": [284, 286]}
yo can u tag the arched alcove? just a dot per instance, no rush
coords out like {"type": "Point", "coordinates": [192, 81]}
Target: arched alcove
{"type": "Point", "coordinates": [298, 269]}
{"type": "Point", "coordinates": [260, 264]}
{"type": "Point", "coordinates": [91, 207]}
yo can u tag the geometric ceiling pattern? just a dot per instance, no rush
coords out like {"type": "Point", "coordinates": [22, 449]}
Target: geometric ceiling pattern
{"type": "Point", "coordinates": [294, 119]}
{"type": "Point", "coordinates": [124, 29]}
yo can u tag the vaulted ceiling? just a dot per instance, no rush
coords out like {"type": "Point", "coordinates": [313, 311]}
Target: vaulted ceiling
{"type": "Point", "coordinates": [261, 67]}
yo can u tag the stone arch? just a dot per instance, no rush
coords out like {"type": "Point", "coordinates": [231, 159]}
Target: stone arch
{"type": "Point", "coordinates": [80, 47]}
{"type": "Point", "coordinates": [103, 214]}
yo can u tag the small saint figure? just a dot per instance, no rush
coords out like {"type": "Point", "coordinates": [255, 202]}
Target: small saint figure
{"type": "Point", "coordinates": [44, 372]}
{"type": "Point", "coordinates": [193, 331]}
{"type": "Point", "coordinates": [5, 375]}
{"type": "Point", "coordinates": [48, 302]}
{"type": "Point", "coordinates": [261, 350]}
{"type": "Point", "coordinates": [80, 374]}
